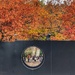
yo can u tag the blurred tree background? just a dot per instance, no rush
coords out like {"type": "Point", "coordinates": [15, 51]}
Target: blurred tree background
{"type": "Point", "coordinates": [33, 20]}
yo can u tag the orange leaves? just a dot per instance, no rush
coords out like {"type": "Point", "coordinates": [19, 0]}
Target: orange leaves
{"type": "Point", "coordinates": [25, 21]}
{"type": "Point", "coordinates": [58, 37]}
{"type": "Point", "coordinates": [15, 15]}
{"type": "Point", "coordinates": [0, 35]}
{"type": "Point", "coordinates": [69, 21]}
{"type": "Point", "coordinates": [62, 22]}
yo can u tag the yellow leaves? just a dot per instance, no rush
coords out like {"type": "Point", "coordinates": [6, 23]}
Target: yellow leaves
{"type": "Point", "coordinates": [34, 31]}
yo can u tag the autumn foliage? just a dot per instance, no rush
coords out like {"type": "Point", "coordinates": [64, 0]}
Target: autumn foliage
{"type": "Point", "coordinates": [33, 21]}
{"type": "Point", "coordinates": [69, 22]}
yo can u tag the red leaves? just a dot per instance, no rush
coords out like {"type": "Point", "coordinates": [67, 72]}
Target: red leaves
{"type": "Point", "coordinates": [69, 21]}
{"type": "Point", "coordinates": [20, 21]}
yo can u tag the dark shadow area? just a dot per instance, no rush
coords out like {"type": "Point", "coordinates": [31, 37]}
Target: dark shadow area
{"type": "Point", "coordinates": [59, 58]}
{"type": "Point", "coordinates": [10, 58]}
{"type": "Point", "coordinates": [63, 58]}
